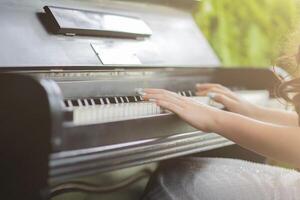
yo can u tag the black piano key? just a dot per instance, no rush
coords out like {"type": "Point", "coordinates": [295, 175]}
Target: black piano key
{"type": "Point", "coordinates": [102, 100]}
{"type": "Point", "coordinates": [111, 99]}
{"type": "Point", "coordinates": [121, 99]}
{"type": "Point", "coordinates": [106, 100]}
{"type": "Point", "coordinates": [75, 102]}
{"type": "Point", "coordinates": [84, 102]}
{"type": "Point", "coordinates": [117, 100]}
{"type": "Point", "coordinates": [126, 99]}
{"type": "Point", "coordinates": [89, 101]}
{"type": "Point", "coordinates": [139, 98]}
{"type": "Point", "coordinates": [97, 101]}
{"type": "Point", "coordinates": [186, 93]}
{"type": "Point", "coordinates": [189, 93]}
{"type": "Point", "coordinates": [66, 103]}
{"type": "Point", "coordinates": [193, 93]}
{"type": "Point", "coordinates": [179, 92]}
{"type": "Point", "coordinates": [131, 98]}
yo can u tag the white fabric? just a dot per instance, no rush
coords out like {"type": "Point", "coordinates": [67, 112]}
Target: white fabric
{"type": "Point", "coordinates": [224, 179]}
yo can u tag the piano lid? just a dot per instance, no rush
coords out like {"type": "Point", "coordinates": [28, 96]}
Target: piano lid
{"type": "Point", "coordinates": [27, 37]}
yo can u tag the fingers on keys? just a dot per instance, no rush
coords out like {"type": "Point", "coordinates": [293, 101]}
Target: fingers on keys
{"type": "Point", "coordinates": [164, 98]}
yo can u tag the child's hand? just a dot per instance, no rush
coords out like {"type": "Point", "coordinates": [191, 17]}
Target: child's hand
{"type": "Point", "coordinates": [229, 99]}
{"type": "Point", "coordinates": [198, 115]}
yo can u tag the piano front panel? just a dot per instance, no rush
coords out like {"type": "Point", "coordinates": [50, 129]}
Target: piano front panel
{"type": "Point", "coordinates": [69, 164]}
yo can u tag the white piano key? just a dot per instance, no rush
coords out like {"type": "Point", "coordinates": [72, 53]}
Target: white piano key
{"type": "Point", "coordinates": [116, 111]}
{"type": "Point", "coordinates": [94, 113]}
{"type": "Point", "coordinates": [121, 100]}
{"type": "Point", "coordinates": [79, 102]}
{"type": "Point", "coordinates": [132, 110]}
{"type": "Point", "coordinates": [101, 113]}
{"type": "Point", "coordinates": [144, 109]}
{"type": "Point", "coordinates": [108, 113]}
{"type": "Point", "coordinates": [116, 99]}
{"type": "Point", "coordinates": [93, 102]}
{"type": "Point", "coordinates": [101, 101]}
{"type": "Point", "coordinates": [86, 103]}
{"type": "Point", "coordinates": [127, 100]}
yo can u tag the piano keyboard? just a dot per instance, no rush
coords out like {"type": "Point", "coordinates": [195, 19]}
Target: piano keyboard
{"type": "Point", "coordinates": [109, 109]}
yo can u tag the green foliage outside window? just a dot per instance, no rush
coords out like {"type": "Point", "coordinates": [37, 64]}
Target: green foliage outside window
{"type": "Point", "coordinates": [247, 32]}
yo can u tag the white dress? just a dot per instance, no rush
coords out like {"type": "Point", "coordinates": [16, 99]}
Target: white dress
{"type": "Point", "coordinates": [222, 179]}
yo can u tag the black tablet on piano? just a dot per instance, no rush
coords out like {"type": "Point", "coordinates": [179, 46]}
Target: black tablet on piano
{"type": "Point", "coordinates": [82, 22]}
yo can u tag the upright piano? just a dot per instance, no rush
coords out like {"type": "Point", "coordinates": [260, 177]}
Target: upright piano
{"type": "Point", "coordinates": [69, 75]}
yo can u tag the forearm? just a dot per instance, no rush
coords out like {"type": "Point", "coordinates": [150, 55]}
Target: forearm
{"type": "Point", "coordinates": [280, 142]}
{"type": "Point", "coordinates": [276, 141]}
{"type": "Point", "coordinates": [274, 116]}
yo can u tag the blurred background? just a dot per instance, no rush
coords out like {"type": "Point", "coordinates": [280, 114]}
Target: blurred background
{"type": "Point", "coordinates": [251, 32]}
